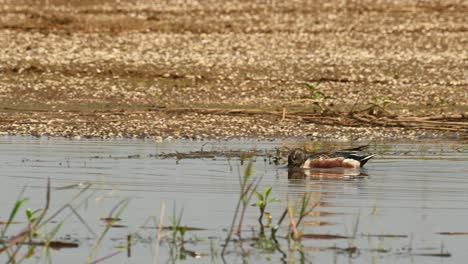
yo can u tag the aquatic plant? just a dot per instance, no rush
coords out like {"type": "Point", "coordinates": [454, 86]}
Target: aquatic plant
{"type": "Point", "coordinates": [247, 190]}
{"type": "Point", "coordinates": [262, 202]}
{"type": "Point", "coordinates": [114, 214]}
{"type": "Point", "coordinates": [35, 234]}
{"type": "Point", "coordinates": [33, 225]}
{"type": "Point", "coordinates": [351, 238]}
{"type": "Point", "coordinates": [177, 250]}
{"type": "Point", "coordinates": [13, 213]}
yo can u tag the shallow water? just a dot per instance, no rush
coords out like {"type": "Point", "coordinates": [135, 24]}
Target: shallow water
{"type": "Point", "coordinates": [414, 190]}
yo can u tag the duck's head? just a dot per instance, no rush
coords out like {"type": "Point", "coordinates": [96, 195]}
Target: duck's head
{"type": "Point", "coordinates": [296, 158]}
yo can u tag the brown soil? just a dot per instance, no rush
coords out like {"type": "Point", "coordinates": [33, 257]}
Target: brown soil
{"type": "Point", "coordinates": [204, 69]}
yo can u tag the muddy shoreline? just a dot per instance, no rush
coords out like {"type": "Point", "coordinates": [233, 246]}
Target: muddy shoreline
{"type": "Point", "coordinates": [111, 69]}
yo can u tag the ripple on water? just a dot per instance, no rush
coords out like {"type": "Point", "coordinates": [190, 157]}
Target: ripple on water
{"type": "Point", "coordinates": [413, 190]}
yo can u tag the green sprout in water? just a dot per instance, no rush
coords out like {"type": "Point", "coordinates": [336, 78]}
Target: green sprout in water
{"type": "Point", "coordinates": [30, 214]}
{"type": "Point", "coordinates": [248, 187]}
{"type": "Point", "coordinates": [264, 243]}
{"type": "Point", "coordinates": [262, 202]}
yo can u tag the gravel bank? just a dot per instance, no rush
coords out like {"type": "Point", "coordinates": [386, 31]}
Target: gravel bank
{"type": "Point", "coordinates": [103, 68]}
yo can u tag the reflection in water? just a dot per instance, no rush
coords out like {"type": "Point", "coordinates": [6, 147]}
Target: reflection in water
{"type": "Point", "coordinates": [321, 185]}
{"type": "Point", "coordinates": [329, 173]}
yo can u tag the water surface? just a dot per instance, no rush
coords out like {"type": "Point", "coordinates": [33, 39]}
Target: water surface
{"type": "Point", "coordinates": [411, 190]}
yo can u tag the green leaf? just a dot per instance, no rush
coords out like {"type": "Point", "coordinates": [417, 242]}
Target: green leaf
{"type": "Point", "coordinates": [273, 200]}
{"type": "Point", "coordinates": [259, 204]}
{"type": "Point", "coordinates": [248, 172]}
{"type": "Point", "coordinates": [13, 213]}
{"type": "Point", "coordinates": [16, 208]}
{"type": "Point", "coordinates": [121, 246]}
{"type": "Point", "coordinates": [267, 191]}
{"type": "Point", "coordinates": [310, 87]}
{"type": "Point", "coordinates": [30, 215]}
{"type": "Point", "coordinates": [259, 196]}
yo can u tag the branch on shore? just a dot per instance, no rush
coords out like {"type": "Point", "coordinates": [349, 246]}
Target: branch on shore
{"type": "Point", "coordinates": [451, 123]}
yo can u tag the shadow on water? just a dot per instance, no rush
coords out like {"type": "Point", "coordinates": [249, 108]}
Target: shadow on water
{"type": "Point", "coordinates": [176, 201]}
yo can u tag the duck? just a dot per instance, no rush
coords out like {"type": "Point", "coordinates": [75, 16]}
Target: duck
{"type": "Point", "coordinates": [351, 158]}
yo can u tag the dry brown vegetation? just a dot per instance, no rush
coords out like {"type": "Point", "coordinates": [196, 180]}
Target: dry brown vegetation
{"type": "Point", "coordinates": [234, 68]}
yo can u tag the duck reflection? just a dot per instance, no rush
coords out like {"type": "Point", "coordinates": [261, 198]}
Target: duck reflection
{"type": "Point", "coordinates": [326, 174]}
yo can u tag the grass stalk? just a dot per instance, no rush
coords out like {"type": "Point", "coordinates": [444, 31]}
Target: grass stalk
{"type": "Point", "coordinates": [247, 189]}
{"type": "Point", "coordinates": [160, 232]}
{"type": "Point", "coordinates": [31, 228]}
{"type": "Point", "coordinates": [118, 208]}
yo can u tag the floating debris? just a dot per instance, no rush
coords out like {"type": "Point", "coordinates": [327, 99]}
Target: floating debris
{"type": "Point", "coordinates": [110, 219]}
{"type": "Point", "coordinates": [453, 233]}
{"type": "Point", "coordinates": [323, 236]}
{"type": "Point", "coordinates": [385, 235]}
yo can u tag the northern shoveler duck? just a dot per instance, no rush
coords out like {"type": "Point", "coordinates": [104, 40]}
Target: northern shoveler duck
{"type": "Point", "coordinates": [351, 158]}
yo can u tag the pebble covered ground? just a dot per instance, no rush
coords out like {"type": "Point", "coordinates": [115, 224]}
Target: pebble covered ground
{"type": "Point", "coordinates": [110, 68]}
